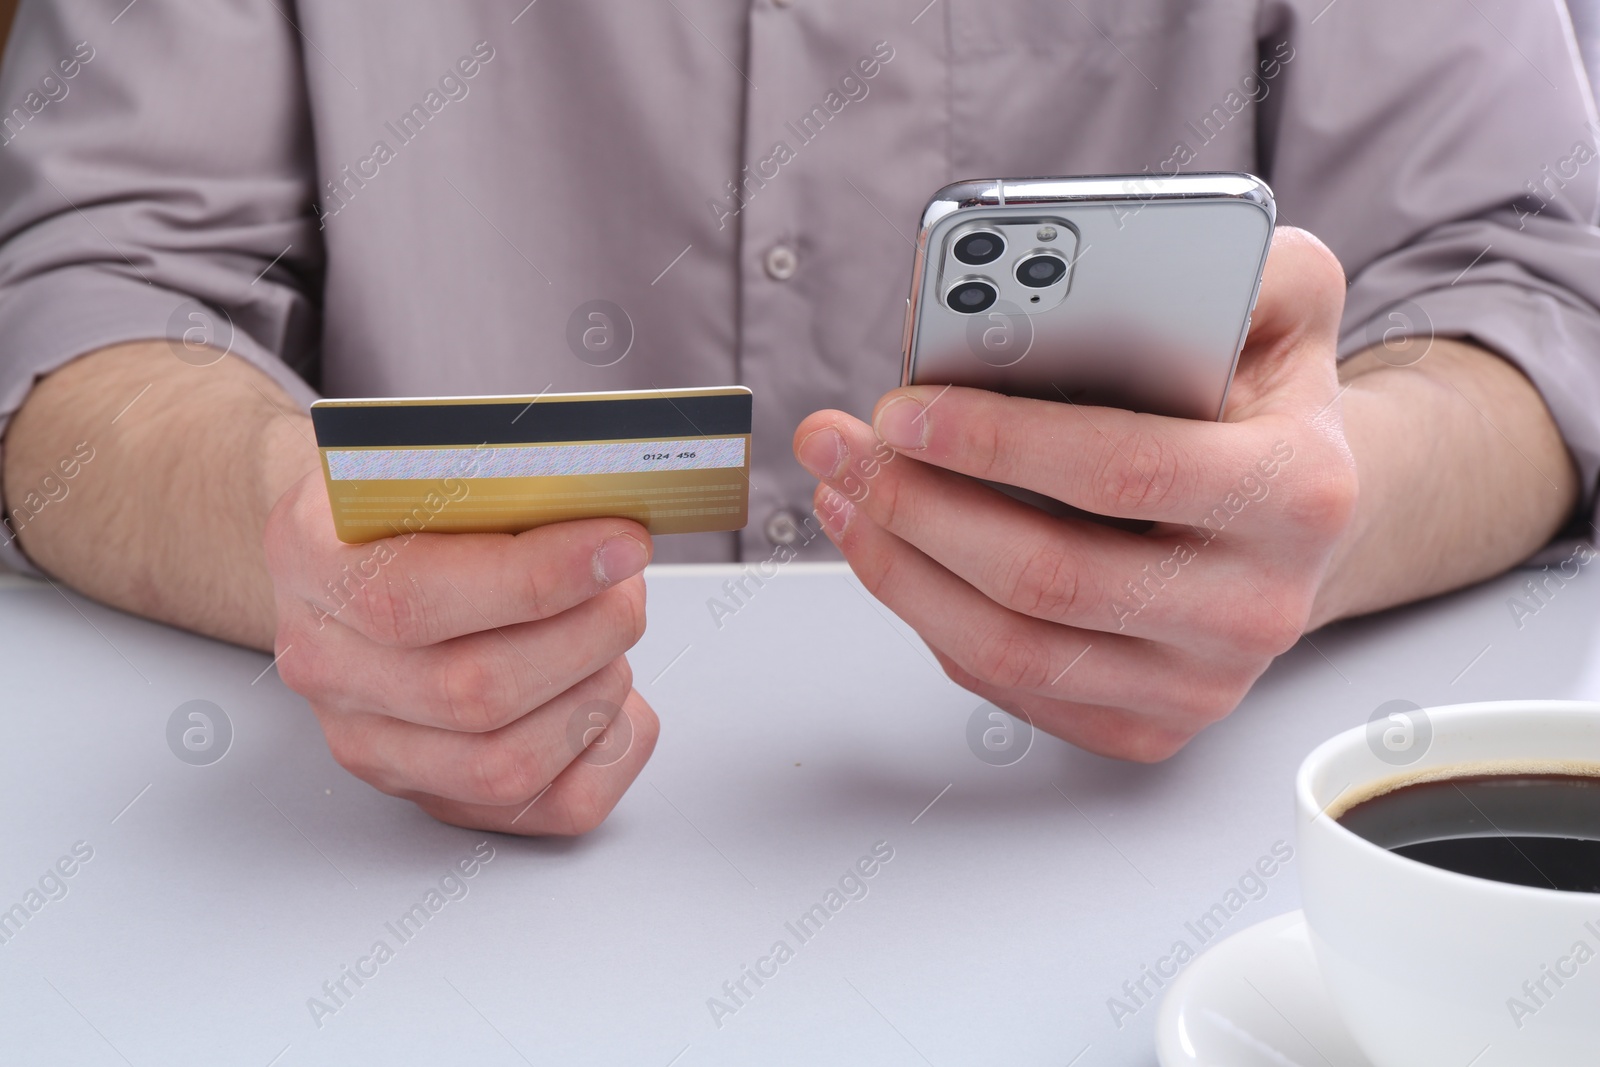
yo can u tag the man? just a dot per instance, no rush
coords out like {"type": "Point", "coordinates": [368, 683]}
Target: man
{"type": "Point", "coordinates": [419, 199]}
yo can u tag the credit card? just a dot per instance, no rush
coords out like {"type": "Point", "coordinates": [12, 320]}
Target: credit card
{"type": "Point", "coordinates": [675, 460]}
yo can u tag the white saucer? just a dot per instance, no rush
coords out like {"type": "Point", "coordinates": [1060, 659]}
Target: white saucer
{"type": "Point", "coordinates": [1254, 1000]}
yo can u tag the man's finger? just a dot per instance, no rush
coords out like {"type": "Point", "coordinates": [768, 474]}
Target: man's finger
{"type": "Point", "coordinates": [581, 796]}
{"type": "Point", "coordinates": [1061, 570]}
{"type": "Point", "coordinates": [1286, 366]}
{"type": "Point", "coordinates": [421, 589]}
{"type": "Point", "coordinates": [501, 768]}
{"type": "Point", "coordinates": [1014, 652]}
{"type": "Point", "coordinates": [1105, 731]}
{"type": "Point", "coordinates": [1103, 460]}
{"type": "Point", "coordinates": [476, 683]}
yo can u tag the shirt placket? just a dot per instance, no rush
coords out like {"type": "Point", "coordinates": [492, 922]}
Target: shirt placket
{"type": "Point", "coordinates": [774, 253]}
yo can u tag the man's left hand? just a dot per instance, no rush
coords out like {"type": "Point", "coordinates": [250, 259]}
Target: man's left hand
{"type": "Point", "coordinates": [1123, 643]}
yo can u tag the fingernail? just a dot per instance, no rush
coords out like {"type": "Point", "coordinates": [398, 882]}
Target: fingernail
{"type": "Point", "coordinates": [835, 509]}
{"type": "Point", "coordinates": [903, 423]}
{"type": "Point", "coordinates": [822, 452]}
{"type": "Point", "coordinates": [619, 558]}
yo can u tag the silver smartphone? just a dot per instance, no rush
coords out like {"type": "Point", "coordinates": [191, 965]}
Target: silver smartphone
{"type": "Point", "coordinates": [1131, 292]}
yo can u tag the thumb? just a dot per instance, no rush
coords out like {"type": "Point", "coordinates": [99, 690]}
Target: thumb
{"type": "Point", "coordinates": [1289, 360]}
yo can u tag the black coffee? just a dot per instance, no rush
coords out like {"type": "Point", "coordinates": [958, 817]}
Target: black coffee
{"type": "Point", "coordinates": [1527, 829]}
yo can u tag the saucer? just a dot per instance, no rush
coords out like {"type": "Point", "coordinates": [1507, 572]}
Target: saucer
{"type": "Point", "coordinates": [1254, 1000]}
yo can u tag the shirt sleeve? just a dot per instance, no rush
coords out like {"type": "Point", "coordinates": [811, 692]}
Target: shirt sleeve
{"type": "Point", "coordinates": [158, 181]}
{"type": "Point", "coordinates": [1447, 154]}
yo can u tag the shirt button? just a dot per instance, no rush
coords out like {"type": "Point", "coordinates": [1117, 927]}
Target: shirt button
{"type": "Point", "coordinates": [781, 263]}
{"type": "Point", "coordinates": [783, 527]}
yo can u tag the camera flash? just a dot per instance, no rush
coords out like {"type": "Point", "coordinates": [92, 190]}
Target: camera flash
{"type": "Point", "coordinates": [1046, 233]}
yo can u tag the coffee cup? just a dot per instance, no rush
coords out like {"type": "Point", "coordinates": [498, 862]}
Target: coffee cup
{"type": "Point", "coordinates": [1425, 965]}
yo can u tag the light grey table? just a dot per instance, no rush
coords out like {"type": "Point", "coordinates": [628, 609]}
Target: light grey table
{"type": "Point", "coordinates": [810, 727]}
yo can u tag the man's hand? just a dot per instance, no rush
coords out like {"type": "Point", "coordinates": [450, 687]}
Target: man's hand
{"type": "Point", "coordinates": [479, 675]}
{"type": "Point", "coordinates": [467, 672]}
{"type": "Point", "coordinates": [1124, 643]}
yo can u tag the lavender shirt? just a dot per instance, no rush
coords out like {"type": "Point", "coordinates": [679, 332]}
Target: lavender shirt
{"type": "Point", "coordinates": [399, 197]}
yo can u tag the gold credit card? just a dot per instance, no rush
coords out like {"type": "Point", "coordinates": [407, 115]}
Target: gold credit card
{"type": "Point", "coordinates": [675, 460]}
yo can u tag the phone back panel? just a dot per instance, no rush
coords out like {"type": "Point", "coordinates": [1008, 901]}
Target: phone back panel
{"type": "Point", "coordinates": [1151, 314]}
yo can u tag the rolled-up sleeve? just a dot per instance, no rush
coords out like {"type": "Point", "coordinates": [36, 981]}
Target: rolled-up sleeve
{"type": "Point", "coordinates": [156, 181]}
{"type": "Point", "coordinates": [1447, 154]}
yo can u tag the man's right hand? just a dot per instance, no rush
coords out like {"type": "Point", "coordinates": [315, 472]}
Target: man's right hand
{"type": "Point", "coordinates": [479, 675]}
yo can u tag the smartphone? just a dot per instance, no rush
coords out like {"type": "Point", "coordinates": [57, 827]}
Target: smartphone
{"type": "Point", "coordinates": [1132, 292]}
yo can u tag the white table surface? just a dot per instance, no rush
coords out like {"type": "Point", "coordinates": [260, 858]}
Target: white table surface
{"type": "Point", "coordinates": [812, 725]}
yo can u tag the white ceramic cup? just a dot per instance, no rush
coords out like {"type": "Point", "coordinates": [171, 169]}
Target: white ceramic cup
{"type": "Point", "coordinates": [1429, 968]}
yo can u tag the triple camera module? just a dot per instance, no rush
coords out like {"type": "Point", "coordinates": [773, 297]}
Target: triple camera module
{"type": "Point", "coordinates": [978, 248]}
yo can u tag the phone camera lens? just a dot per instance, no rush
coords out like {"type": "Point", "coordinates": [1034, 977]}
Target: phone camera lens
{"type": "Point", "coordinates": [972, 298]}
{"type": "Point", "coordinates": [1037, 272]}
{"type": "Point", "coordinates": [979, 247]}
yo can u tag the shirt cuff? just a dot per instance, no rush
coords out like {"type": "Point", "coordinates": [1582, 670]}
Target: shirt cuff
{"type": "Point", "coordinates": [51, 319]}
{"type": "Point", "coordinates": [1553, 341]}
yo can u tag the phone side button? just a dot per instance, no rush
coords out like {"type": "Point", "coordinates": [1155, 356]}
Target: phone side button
{"type": "Point", "coordinates": [905, 331]}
